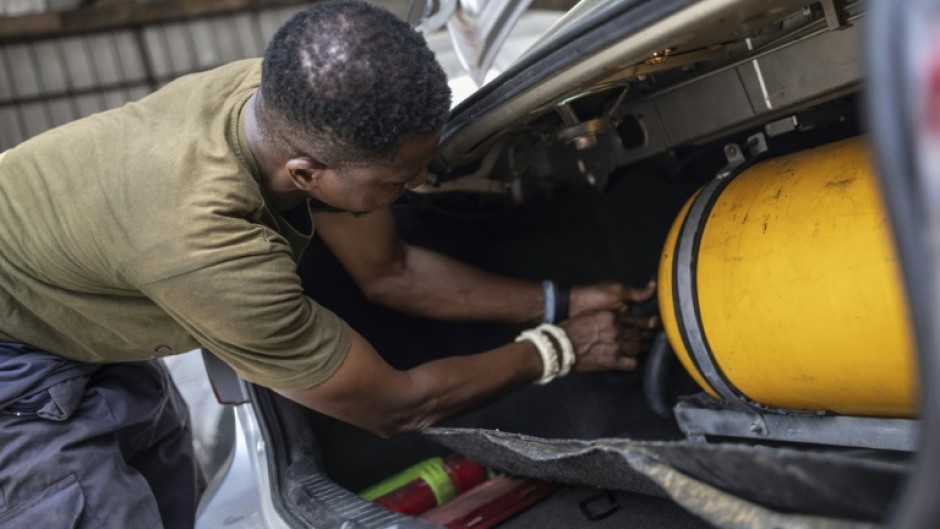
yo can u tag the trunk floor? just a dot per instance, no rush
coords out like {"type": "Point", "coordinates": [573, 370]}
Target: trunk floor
{"type": "Point", "coordinates": [584, 407]}
{"type": "Point", "coordinates": [636, 511]}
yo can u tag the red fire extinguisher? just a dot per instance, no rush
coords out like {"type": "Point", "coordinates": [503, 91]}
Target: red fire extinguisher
{"type": "Point", "coordinates": [426, 485]}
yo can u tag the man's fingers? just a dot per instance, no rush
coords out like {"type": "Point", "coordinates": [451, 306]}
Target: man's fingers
{"type": "Point", "coordinates": [639, 294]}
{"type": "Point", "coordinates": [634, 341]}
{"type": "Point", "coordinates": [634, 347]}
{"type": "Point", "coordinates": [637, 322]}
{"type": "Point", "coordinates": [631, 349]}
{"type": "Point", "coordinates": [603, 342]}
{"type": "Point", "coordinates": [614, 357]}
{"type": "Point", "coordinates": [626, 363]}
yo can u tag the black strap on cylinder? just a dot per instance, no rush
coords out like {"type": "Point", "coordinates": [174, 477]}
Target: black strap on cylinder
{"type": "Point", "coordinates": [685, 294]}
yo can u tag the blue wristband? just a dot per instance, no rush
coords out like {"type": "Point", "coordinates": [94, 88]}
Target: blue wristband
{"type": "Point", "coordinates": [548, 294]}
{"type": "Point", "coordinates": [557, 301]}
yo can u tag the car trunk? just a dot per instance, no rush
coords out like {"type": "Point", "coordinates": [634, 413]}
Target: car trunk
{"type": "Point", "coordinates": [590, 433]}
{"type": "Point", "coordinates": [581, 157]}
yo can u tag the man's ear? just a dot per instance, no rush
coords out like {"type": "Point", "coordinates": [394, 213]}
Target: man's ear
{"type": "Point", "coordinates": [305, 172]}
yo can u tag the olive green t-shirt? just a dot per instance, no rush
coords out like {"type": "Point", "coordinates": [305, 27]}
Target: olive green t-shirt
{"type": "Point", "coordinates": [143, 232]}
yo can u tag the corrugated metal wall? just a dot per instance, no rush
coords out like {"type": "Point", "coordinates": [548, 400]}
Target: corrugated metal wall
{"type": "Point", "coordinates": [50, 81]}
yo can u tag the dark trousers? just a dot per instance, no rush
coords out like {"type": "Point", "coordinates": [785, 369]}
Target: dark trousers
{"type": "Point", "coordinates": [115, 452]}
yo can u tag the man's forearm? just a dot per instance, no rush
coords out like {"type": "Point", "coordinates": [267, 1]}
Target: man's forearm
{"type": "Point", "coordinates": [419, 281]}
{"type": "Point", "coordinates": [462, 384]}
{"type": "Point", "coordinates": [368, 393]}
{"type": "Point", "coordinates": [433, 285]}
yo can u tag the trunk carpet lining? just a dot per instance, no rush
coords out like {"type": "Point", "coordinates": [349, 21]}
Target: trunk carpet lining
{"type": "Point", "coordinates": [731, 485]}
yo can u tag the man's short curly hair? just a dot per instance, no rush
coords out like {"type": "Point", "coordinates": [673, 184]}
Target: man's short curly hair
{"type": "Point", "coordinates": [352, 81]}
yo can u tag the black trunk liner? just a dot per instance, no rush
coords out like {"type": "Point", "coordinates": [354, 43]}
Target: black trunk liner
{"type": "Point", "coordinates": [615, 235]}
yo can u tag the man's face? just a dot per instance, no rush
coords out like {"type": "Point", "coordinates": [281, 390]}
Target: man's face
{"type": "Point", "coordinates": [360, 189]}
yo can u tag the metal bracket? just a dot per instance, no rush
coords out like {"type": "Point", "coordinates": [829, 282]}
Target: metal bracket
{"type": "Point", "coordinates": [756, 145]}
{"type": "Point", "coordinates": [835, 17]}
{"type": "Point", "coordinates": [735, 157]}
{"type": "Point", "coordinates": [701, 416]}
{"type": "Point", "coordinates": [582, 133]}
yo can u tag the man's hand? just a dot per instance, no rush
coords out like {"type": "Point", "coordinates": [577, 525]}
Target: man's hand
{"type": "Point", "coordinates": [597, 342]}
{"type": "Point", "coordinates": [604, 334]}
{"type": "Point", "coordinates": [602, 342]}
{"type": "Point", "coordinates": [608, 296]}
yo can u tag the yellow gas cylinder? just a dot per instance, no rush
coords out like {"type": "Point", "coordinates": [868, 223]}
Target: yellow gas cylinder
{"type": "Point", "coordinates": [781, 286]}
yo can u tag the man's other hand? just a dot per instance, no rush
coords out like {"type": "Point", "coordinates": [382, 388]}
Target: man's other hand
{"type": "Point", "coordinates": [604, 333]}
{"type": "Point", "coordinates": [609, 295]}
{"type": "Point", "coordinates": [598, 342]}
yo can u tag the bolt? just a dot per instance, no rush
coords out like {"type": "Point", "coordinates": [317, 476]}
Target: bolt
{"type": "Point", "coordinates": [758, 428]}
{"type": "Point", "coordinates": [585, 142]}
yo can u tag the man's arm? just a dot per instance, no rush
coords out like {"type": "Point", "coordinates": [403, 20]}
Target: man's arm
{"type": "Point", "coordinates": [367, 392]}
{"type": "Point", "coordinates": [419, 281]}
